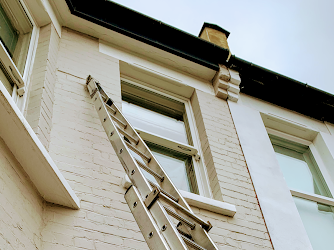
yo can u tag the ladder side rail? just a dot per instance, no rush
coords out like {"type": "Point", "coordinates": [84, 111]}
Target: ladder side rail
{"type": "Point", "coordinates": [167, 184]}
{"type": "Point", "coordinates": [157, 210]}
{"type": "Point", "coordinates": [142, 216]}
{"type": "Point", "coordinates": [140, 182]}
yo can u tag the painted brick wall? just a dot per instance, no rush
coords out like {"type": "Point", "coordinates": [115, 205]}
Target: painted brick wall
{"type": "Point", "coordinates": [21, 206]}
{"type": "Point", "coordinates": [41, 93]}
{"type": "Point", "coordinates": [84, 155]}
{"type": "Point", "coordinates": [229, 177]}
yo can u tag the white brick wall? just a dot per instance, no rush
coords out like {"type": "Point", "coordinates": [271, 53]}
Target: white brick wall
{"type": "Point", "coordinates": [81, 150]}
{"type": "Point", "coordinates": [21, 207]}
{"type": "Point", "coordinates": [83, 153]}
{"type": "Point", "coordinates": [41, 93]}
{"type": "Point", "coordinates": [229, 177]}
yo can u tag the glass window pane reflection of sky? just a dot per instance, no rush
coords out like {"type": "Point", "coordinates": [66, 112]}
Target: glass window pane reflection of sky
{"type": "Point", "coordinates": [155, 122]}
{"type": "Point", "coordinates": [296, 173]}
{"type": "Point", "coordinates": [318, 221]}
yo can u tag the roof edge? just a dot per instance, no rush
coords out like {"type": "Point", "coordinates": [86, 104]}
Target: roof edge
{"type": "Point", "coordinates": [150, 31]}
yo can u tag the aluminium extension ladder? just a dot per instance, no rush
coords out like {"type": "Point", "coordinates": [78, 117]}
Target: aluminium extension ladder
{"type": "Point", "coordinates": [155, 206]}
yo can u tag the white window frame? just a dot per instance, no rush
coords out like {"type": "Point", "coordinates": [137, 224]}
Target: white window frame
{"type": "Point", "coordinates": [320, 164]}
{"type": "Point", "coordinates": [194, 151]}
{"type": "Point", "coordinates": [21, 85]}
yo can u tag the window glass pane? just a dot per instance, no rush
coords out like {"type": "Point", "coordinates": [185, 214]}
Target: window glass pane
{"type": "Point", "coordinates": [15, 32]}
{"type": "Point", "coordinates": [299, 171]}
{"type": "Point", "coordinates": [318, 221]}
{"type": "Point", "coordinates": [178, 167]}
{"type": "Point", "coordinates": [154, 122]}
{"type": "Point", "coordinates": [296, 173]}
{"type": "Point", "coordinates": [8, 34]}
{"type": "Point", "coordinates": [176, 170]}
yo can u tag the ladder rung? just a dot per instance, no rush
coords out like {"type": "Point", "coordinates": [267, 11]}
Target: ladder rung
{"type": "Point", "coordinates": [133, 148]}
{"type": "Point", "coordinates": [188, 236]}
{"type": "Point", "coordinates": [207, 226]}
{"type": "Point", "coordinates": [113, 110]}
{"type": "Point", "coordinates": [118, 120]}
{"type": "Point", "coordinates": [147, 169]}
{"type": "Point", "coordinates": [191, 243]}
{"type": "Point", "coordinates": [104, 97]}
{"type": "Point", "coordinates": [128, 135]}
{"type": "Point", "coordinates": [180, 218]}
{"type": "Point", "coordinates": [163, 191]}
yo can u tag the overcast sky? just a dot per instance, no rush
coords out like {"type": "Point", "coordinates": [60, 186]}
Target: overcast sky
{"type": "Point", "coordinates": [291, 37]}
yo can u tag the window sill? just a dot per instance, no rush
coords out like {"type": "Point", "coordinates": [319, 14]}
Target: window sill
{"type": "Point", "coordinates": [209, 204]}
{"type": "Point", "coordinates": [31, 154]}
{"type": "Point", "coordinates": [202, 202]}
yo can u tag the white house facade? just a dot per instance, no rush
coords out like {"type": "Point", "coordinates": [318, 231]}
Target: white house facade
{"type": "Point", "coordinates": [250, 150]}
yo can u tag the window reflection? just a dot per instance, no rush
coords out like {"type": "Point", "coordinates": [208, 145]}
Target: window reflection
{"type": "Point", "coordinates": [154, 122]}
{"type": "Point", "coordinates": [318, 221]}
{"type": "Point", "coordinates": [296, 173]}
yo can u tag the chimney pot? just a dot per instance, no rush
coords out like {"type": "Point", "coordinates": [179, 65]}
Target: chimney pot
{"type": "Point", "coordinates": [215, 34]}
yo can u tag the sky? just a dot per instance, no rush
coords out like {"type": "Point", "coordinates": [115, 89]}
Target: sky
{"type": "Point", "coordinates": [291, 37]}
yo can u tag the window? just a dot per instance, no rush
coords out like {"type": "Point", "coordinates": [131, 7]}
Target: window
{"type": "Point", "coordinates": [312, 196]}
{"type": "Point", "coordinates": [16, 30]}
{"type": "Point", "coordinates": [162, 121]}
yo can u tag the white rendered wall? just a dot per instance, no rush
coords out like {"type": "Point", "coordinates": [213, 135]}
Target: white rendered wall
{"type": "Point", "coordinates": [280, 213]}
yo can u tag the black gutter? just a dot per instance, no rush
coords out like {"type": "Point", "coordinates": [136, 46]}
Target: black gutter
{"type": "Point", "coordinates": [150, 31]}
{"type": "Point", "coordinates": [283, 91]}
{"type": "Point", "coordinates": [255, 80]}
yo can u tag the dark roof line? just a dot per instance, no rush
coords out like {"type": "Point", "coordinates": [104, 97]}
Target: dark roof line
{"type": "Point", "coordinates": [150, 31]}
{"type": "Point", "coordinates": [256, 81]}
{"type": "Point", "coordinates": [283, 91]}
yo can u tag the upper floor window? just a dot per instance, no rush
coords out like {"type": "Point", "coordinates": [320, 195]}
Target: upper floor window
{"type": "Point", "coordinates": [16, 31]}
{"type": "Point", "coordinates": [162, 121]}
{"type": "Point", "coordinates": [309, 189]}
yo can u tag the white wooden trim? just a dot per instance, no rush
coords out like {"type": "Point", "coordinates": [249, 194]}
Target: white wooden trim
{"type": "Point", "coordinates": [202, 178]}
{"type": "Point", "coordinates": [154, 89]}
{"type": "Point", "coordinates": [21, 102]}
{"type": "Point", "coordinates": [162, 141]}
{"type": "Point", "coordinates": [201, 173]}
{"type": "Point", "coordinates": [157, 74]}
{"type": "Point", "coordinates": [10, 67]}
{"type": "Point", "coordinates": [289, 137]}
{"type": "Point", "coordinates": [313, 197]}
{"type": "Point", "coordinates": [209, 204]}
{"type": "Point", "coordinates": [19, 89]}
{"type": "Point", "coordinates": [322, 167]}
